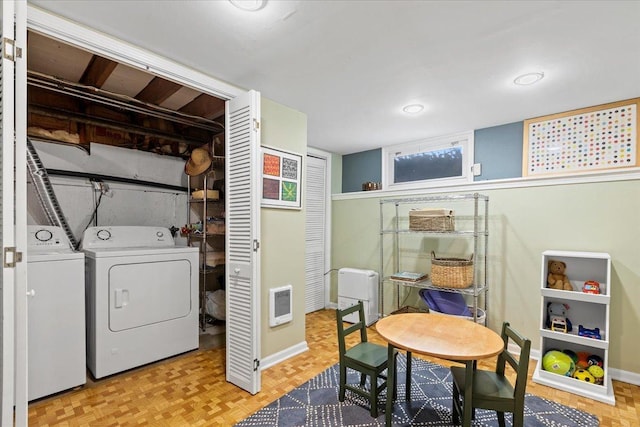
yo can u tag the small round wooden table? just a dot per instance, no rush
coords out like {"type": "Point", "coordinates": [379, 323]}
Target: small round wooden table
{"type": "Point", "coordinates": [444, 337]}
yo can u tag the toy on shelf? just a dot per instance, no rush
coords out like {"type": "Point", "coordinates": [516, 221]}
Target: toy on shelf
{"type": "Point", "coordinates": [595, 360]}
{"type": "Point", "coordinates": [584, 375]}
{"type": "Point", "coordinates": [589, 333]}
{"type": "Point", "coordinates": [559, 324]}
{"type": "Point", "coordinates": [557, 279]}
{"type": "Point", "coordinates": [591, 287]}
{"type": "Point", "coordinates": [572, 354]}
{"type": "Point", "coordinates": [597, 372]}
{"type": "Point", "coordinates": [556, 317]}
{"type": "Point", "coordinates": [583, 360]}
{"type": "Point", "coordinates": [558, 362]}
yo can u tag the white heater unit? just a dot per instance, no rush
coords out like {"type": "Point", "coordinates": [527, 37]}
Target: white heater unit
{"type": "Point", "coordinates": [280, 305]}
{"type": "Point", "coordinates": [355, 285]}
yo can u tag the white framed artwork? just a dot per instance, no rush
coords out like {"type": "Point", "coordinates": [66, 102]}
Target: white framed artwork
{"type": "Point", "coordinates": [590, 139]}
{"type": "Point", "coordinates": [281, 179]}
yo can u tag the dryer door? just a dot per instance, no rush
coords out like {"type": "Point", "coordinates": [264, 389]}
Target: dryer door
{"type": "Point", "coordinates": [150, 292]}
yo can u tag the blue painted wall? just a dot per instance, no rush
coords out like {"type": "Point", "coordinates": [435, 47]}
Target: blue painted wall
{"type": "Point", "coordinates": [358, 168]}
{"type": "Point", "coordinates": [498, 149]}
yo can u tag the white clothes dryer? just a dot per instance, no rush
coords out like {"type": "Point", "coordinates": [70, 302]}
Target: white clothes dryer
{"type": "Point", "coordinates": [142, 297]}
{"type": "Point", "coordinates": [56, 317]}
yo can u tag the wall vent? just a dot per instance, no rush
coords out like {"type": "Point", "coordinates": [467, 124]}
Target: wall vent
{"type": "Point", "coordinates": [280, 305]}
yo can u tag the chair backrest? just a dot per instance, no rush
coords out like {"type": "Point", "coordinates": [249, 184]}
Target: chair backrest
{"type": "Point", "coordinates": [358, 326]}
{"type": "Point", "coordinates": [519, 365]}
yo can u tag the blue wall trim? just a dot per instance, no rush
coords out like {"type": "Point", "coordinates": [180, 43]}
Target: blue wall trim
{"type": "Point", "coordinates": [358, 168]}
{"type": "Point", "coordinates": [499, 150]}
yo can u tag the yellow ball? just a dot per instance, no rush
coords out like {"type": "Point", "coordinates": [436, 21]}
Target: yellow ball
{"type": "Point", "coordinates": [584, 375]}
{"type": "Point", "coordinates": [597, 372]}
{"type": "Point", "coordinates": [558, 362]}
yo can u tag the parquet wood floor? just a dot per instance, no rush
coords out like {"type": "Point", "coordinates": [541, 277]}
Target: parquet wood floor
{"type": "Point", "coordinates": [190, 390]}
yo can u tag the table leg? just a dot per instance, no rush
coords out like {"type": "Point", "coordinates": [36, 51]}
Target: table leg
{"type": "Point", "coordinates": [468, 392]}
{"type": "Point", "coordinates": [408, 379]}
{"type": "Point", "coordinates": [391, 379]}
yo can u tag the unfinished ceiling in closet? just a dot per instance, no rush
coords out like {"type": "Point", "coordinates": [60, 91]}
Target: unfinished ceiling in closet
{"type": "Point", "coordinates": [77, 97]}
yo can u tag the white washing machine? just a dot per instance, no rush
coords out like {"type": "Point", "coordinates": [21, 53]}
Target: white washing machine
{"type": "Point", "coordinates": [56, 328]}
{"type": "Point", "coordinates": [142, 297]}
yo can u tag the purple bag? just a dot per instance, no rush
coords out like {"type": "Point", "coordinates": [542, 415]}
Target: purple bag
{"type": "Point", "coordinates": [445, 302]}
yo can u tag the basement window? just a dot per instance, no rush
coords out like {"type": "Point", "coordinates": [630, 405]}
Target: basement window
{"type": "Point", "coordinates": [432, 162]}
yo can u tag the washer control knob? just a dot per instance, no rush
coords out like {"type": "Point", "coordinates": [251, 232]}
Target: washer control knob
{"type": "Point", "coordinates": [103, 234]}
{"type": "Point", "coordinates": [159, 234]}
{"type": "Point", "coordinates": [44, 235]}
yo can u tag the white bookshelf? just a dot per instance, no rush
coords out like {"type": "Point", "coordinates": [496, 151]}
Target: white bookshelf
{"type": "Point", "coordinates": [589, 310]}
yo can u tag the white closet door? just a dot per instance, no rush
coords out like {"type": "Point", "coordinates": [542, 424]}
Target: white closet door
{"type": "Point", "coordinates": [13, 98]}
{"type": "Point", "coordinates": [315, 233]}
{"type": "Point", "coordinates": [242, 204]}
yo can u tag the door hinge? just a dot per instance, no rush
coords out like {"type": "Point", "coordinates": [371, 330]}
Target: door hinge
{"type": "Point", "coordinates": [11, 257]}
{"type": "Point", "coordinates": [256, 124]}
{"type": "Point", "coordinates": [256, 364]}
{"type": "Point", "coordinates": [9, 49]}
{"type": "Point", "coordinates": [256, 246]}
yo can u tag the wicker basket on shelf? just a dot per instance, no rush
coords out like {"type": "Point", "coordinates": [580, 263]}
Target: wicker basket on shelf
{"type": "Point", "coordinates": [431, 220]}
{"type": "Point", "coordinates": [451, 272]}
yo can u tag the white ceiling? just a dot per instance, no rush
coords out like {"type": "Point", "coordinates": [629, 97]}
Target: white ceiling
{"type": "Point", "coordinates": [352, 65]}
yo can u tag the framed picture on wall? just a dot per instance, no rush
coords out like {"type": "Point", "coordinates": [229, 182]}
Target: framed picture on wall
{"type": "Point", "coordinates": [281, 179]}
{"type": "Point", "coordinates": [603, 137]}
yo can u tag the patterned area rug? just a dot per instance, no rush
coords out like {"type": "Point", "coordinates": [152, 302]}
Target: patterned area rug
{"type": "Point", "coordinates": [315, 403]}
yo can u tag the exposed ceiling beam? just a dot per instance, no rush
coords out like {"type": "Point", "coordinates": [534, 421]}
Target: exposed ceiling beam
{"type": "Point", "coordinates": [68, 89]}
{"type": "Point", "coordinates": [98, 71]}
{"type": "Point", "coordinates": [204, 106]}
{"type": "Point", "coordinates": [157, 91]}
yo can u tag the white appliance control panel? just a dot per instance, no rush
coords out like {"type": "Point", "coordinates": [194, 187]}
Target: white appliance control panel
{"type": "Point", "coordinates": [46, 237]}
{"type": "Point", "coordinates": [123, 236]}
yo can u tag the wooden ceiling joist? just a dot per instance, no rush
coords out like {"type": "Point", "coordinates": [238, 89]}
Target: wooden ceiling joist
{"type": "Point", "coordinates": [157, 91]}
{"type": "Point", "coordinates": [98, 71]}
{"type": "Point", "coordinates": [204, 106]}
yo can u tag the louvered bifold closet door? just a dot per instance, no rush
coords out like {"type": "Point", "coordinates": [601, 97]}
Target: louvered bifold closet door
{"type": "Point", "coordinates": [315, 233]}
{"type": "Point", "coordinates": [6, 186]}
{"type": "Point", "coordinates": [13, 233]}
{"type": "Point", "coordinates": [242, 248]}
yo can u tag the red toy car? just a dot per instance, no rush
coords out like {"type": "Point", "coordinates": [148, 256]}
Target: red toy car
{"type": "Point", "coordinates": [591, 287]}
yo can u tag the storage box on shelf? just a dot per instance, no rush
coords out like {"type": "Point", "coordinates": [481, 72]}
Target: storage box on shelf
{"type": "Point", "coordinates": [411, 228]}
{"type": "Point", "coordinates": [588, 315]}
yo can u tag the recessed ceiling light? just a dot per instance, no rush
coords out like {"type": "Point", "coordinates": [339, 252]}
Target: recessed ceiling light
{"type": "Point", "coordinates": [413, 108]}
{"type": "Point", "coordinates": [249, 5]}
{"type": "Point", "coordinates": [528, 79]}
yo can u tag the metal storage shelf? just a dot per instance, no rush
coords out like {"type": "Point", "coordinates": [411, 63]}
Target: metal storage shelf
{"type": "Point", "coordinates": [435, 233]}
{"type": "Point", "coordinates": [201, 239]}
{"type": "Point", "coordinates": [471, 226]}
{"type": "Point", "coordinates": [426, 284]}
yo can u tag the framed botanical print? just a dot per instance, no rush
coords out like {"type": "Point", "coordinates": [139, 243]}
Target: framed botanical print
{"type": "Point", "coordinates": [281, 179]}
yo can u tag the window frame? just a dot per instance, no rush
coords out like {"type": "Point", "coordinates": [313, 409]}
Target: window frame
{"type": "Point", "coordinates": [464, 139]}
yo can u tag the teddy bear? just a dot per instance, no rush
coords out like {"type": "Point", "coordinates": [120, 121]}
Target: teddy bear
{"type": "Point", "coordinates": [557, 279]}
{"type": "Point", "coordinates": [556, 310]}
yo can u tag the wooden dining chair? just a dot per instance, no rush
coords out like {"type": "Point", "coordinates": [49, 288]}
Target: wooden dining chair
{"type": "Point", "coordinates": [493, 390]}
{"type": "Point", "coordinates": [367, 358]}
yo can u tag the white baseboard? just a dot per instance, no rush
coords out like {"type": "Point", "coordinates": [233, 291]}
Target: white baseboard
{"type": "Point", "coordinates": [624, 376]}
{"type": "Point", "coordinates": [615, 374]}
{"type": "Point", "coordinates": [283, 355]}
{"type": "Point", "coordinates": [331, 306]}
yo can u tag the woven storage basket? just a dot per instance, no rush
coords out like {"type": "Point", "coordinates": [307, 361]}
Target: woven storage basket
{"type": "Point", "coordinates": [451, 272]}
{"type": "Point", "coordinates": [431, 220]}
